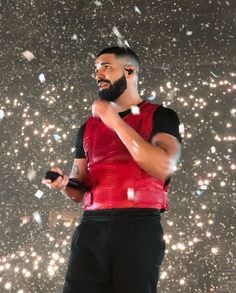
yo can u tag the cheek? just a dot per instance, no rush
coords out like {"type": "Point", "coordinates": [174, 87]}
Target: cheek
{"type": "Point", "coordinates": [108, 78]}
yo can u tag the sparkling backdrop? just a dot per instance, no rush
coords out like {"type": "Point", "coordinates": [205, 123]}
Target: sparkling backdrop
{"type": "Point", "coordinates": [187, 51]}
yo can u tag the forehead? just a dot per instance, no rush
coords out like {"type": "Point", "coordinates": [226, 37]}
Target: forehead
{"type": "Point", "coordinates": [107, 58]}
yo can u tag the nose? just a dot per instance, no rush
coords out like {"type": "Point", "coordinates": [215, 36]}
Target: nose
{"type": "Point", "coordinates": [99, 75]}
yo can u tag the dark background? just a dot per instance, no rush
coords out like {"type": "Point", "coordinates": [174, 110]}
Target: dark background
{"type": "Point", "coordinates": [187, 51]}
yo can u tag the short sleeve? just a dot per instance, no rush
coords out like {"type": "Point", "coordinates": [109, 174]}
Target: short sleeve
{"type": "Point", "coordinates": [166, 120]}
{"type": "Point", "coordinates": [79, 148]}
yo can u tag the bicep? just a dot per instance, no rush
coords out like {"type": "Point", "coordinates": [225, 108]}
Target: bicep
{"type": "Point", "coordinates": [79, 169]}
{"type": "Point", "coordinates": [166, 120]}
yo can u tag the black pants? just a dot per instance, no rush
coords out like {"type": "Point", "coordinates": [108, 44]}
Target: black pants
{"type": "Point", "coordinates": [116, 256]}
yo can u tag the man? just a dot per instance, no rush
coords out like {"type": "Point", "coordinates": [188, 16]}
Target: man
{"type": "Point", "coordinates": [126, 158]}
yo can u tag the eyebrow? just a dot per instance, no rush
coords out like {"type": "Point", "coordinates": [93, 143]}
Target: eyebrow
{"type": "Point", "coordinates": [103, 63]}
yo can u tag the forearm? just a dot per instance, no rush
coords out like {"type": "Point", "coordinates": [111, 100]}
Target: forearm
{"type": "Point", "coordinates": [152, 159]}
{"type": "Point", "coordinates": [75, 194]}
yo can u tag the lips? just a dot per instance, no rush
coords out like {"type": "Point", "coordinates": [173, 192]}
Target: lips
{"type": "Point", "coordinates": [102, 84]}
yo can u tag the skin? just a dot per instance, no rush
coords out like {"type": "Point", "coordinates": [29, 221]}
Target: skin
{"type": "Point", "coordinates": [164, 147]}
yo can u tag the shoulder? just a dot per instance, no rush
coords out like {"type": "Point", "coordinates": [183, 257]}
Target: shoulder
{"type": "Point", "coordinates": [81, 130]}
{"type": "Point", "coordinates": [166, 113]}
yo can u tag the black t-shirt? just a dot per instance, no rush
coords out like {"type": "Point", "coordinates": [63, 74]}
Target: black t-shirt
{"type": "Point", "coordinates": [164, 120]}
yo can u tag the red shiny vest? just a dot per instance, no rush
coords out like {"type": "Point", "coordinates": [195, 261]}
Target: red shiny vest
{"type": "Point", "coordinates": [115, 179]}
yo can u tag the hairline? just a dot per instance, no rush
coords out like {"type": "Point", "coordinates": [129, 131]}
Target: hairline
{"type": "Point", "coordinates": [130, 58]}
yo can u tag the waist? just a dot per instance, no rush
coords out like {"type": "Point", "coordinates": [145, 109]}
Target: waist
{"type": "Point", "coordinates": [120, 214]}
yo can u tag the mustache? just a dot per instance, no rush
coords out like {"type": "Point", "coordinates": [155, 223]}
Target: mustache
{"type": "Point", "coordinates": [103, 80]}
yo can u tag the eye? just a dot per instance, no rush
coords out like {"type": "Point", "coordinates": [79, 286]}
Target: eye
{"type": "Point", "coordinates": [102, 67]}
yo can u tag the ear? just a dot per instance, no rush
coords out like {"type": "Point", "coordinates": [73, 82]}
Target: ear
{"type": "Point", "coordinates": [130, 70]}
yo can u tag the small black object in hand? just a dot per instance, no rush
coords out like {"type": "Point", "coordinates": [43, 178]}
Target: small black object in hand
{"type": "Point", "coordinates": [73, 183]}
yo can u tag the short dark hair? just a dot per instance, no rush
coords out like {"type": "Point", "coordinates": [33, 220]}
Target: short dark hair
{"type": "Point", "coordinates": [120, 52]}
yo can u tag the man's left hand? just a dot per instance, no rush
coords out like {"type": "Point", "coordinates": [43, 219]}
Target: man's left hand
{"type": "Point", "coordinates": [104, 111]}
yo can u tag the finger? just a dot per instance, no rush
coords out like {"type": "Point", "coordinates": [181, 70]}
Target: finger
{"type": "Point", "coordinates": [57, 169]}
{"type": "Point", "coordinates": [55, 183]}
{"type": "Point", "coordinates": [63, 182]}
{"type": "Point", "coordinates": [46, 181]}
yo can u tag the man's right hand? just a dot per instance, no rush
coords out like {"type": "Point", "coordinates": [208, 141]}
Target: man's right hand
{"type": "Point", "coordinates": [60, 183]}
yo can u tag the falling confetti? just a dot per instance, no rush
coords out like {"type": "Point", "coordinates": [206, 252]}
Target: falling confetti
{"type": "Point", "coordinates": [199, 192]}
{"type": "Point", "coordinates": [98, 3]}
{"type": "Point", "coordinates": [213, 149]}
{"type": "Point", "coordinates": [181, 128]}
{"type": "Point", "coordinates": [39, 194]}
{"type": "Point", "coordinates": [1, 114]}
{"type": "Point", "coordinates": [31, 174]}
{"type": "Point", "coordinates": [187, 64]}
{"type": "Point", "coordinates": [37, 217]}
{"type": "Point", "coordinates": [130, 194]}
{"type": "Point", "coordinates": [189, 33]}
{"type": "Point", "coordinates": [57, 137]}
{"type": "Point", "coordinates": [135, 110]}
{"type": "Point", "coordinates": [151, 98]}
{"type": "Point", "coordinates": [28, 55]}
{"type": "Point", "coordinates": [126, 43]}
{"type": "Point", "coordinates": [117, 33]}
{"type": "Point", "coordinates": [137, 10]}
{"type": "Point", "coordinates": [42, 77]}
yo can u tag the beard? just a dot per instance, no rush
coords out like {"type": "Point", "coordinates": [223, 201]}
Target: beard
{"type": "Point", "coordinates": [114, 91]}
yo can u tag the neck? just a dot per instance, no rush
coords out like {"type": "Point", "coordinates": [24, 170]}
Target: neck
{"type": "Point", "coordinates": [126, 100]}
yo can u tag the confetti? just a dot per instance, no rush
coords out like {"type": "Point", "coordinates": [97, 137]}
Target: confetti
{"type": "Point", "coordinates": [37, 217]}
{"type": "Point", "coordinates": [39, 194]}
{"type": "Point", "coordinates": [199, 192]}
{"type": "Point", "coordinates": [31, 174]}
{"type": "Point", "coordinates": [28, 55]}
{"type": "Point", "coordinates": [195, 78]}
{"type": "Point", "coordinates": [214, 74]}
{"type": "Point", "coordinates": [57, 137]}
{"type": "Point", "coordinates": [189, 33]}
{"type": "Point", "coordinates": [117, 33]}
{"type": "Point", "coordinates": [130, 194]}
{"type": "Point", "coordinates": [151, 98]}
{"type": "Point", "coordinates": [181, 128]}
{"type": "Point", "coordinates": [42, 77]}
{"type": "Point", "coordinates": [126, 43]}
{"type": "Point", "coordinates": [203, 187]}
{"type": "Point", "coordinates": [227, 157]}
{"type": "Point", "coordinates": [137, 10]}
{"type": "Point", "coordinates": [1, 114]}
{"type": "Point", "coordinates": [213, 149]}
{"type": "Point", "coordinates": [233, 112]}
{"type": "Point", "coordinates": [135, 110]}
{"type": "Point", "coordinates": [98, 3]}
